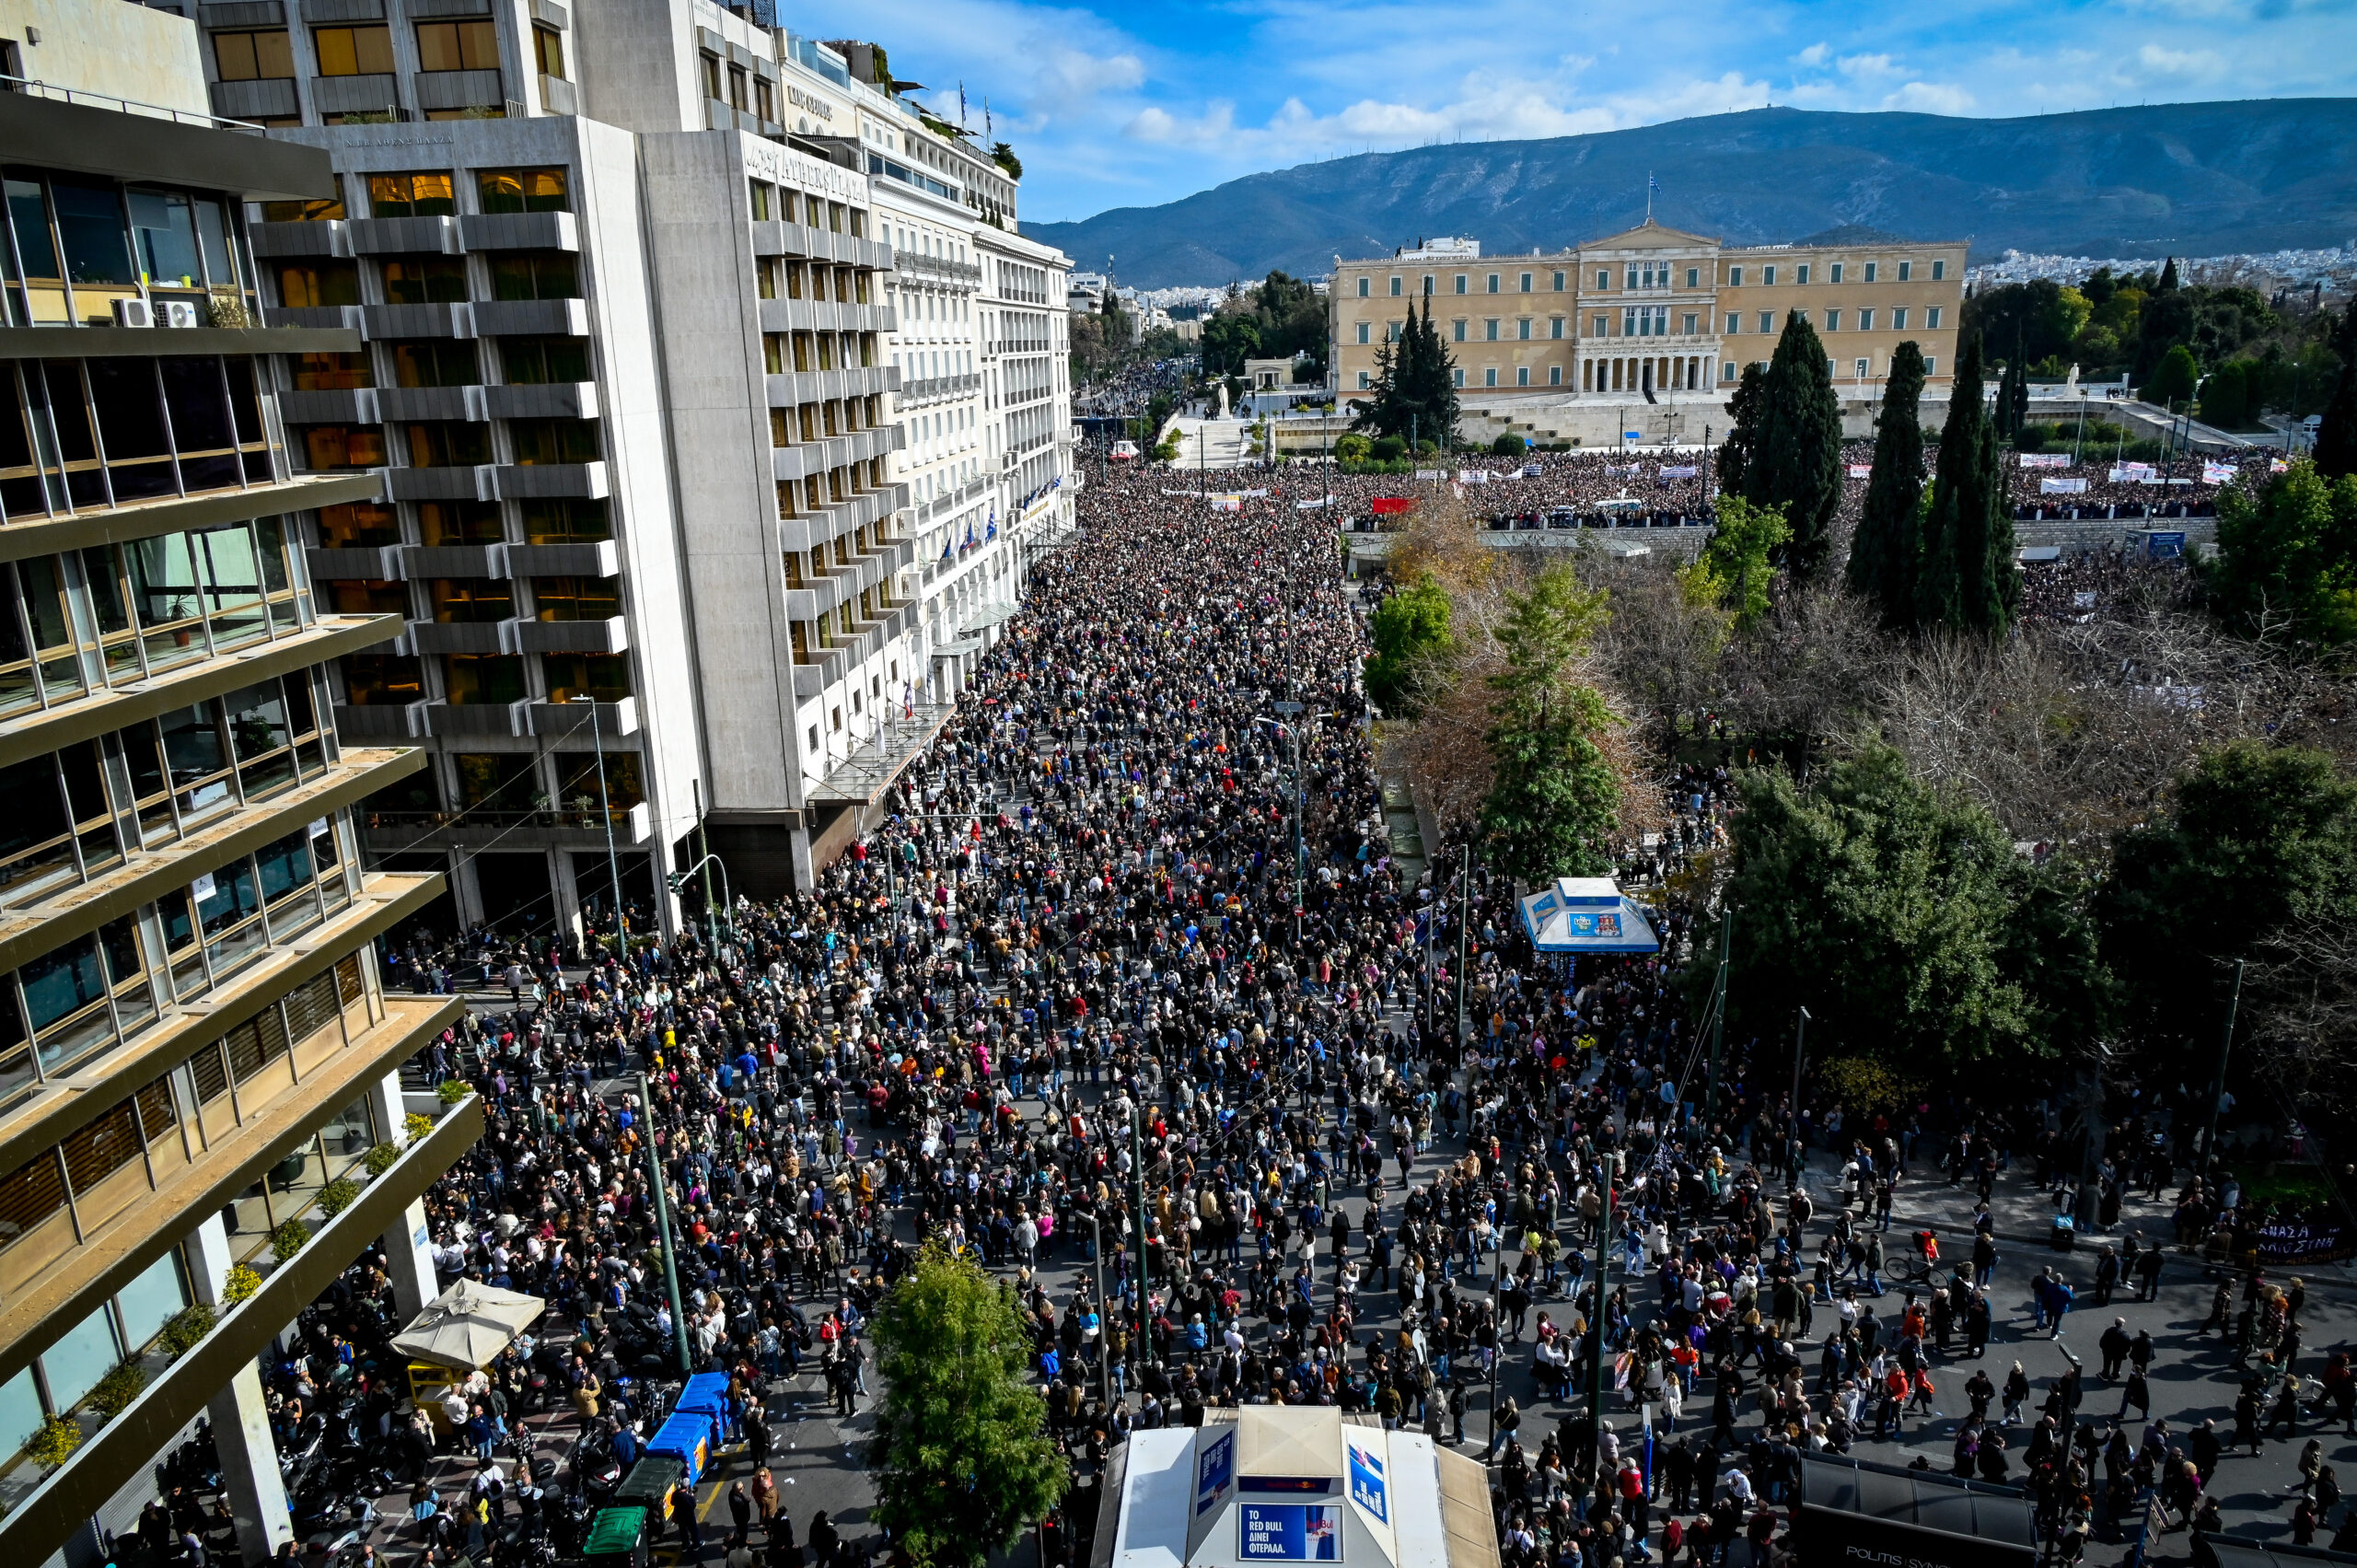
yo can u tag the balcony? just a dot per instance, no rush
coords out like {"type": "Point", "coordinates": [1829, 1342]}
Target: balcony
{"type": "Point", "coordinates": [459, 90]}
{"type": "Point", "coordinates": [934, 388]}
{"type": "Point", "coordinates": [870, 770]}
{"type": "Point", "coordinates": [432, 402]}
{"type": "Point", "coordinates": [820, 245]}
{"type": "Point", "coordinates": [333, 565]}
{"type": "Point", "coordinates": [558, 827]}
{"type": "Point", "coordinates": [417, 563]}
{"type": "Point", "coordinates": [610, 635]}
{"type": "Point", "coordinates": [458, 637]}
{"type": "Point", "coordinates": [521, 231]}
{"type": "Point", "coordinates": [571, 721]}
{"type": "Point", "coordinates": [532, 481]}
{"type": "Point", "coordinates": [455, 319]}
{"type": "Point", "coordinates": [350, 405]}
{"type": "Point", "coordinates": [537, 317]}
{"type": "Point", "coordinates": [475, 483]}
{"type": "Point", "coordinates": [355, 95]}
{"type": "Point", "coordinates": [472, 719]}
{"type": "Point", "coordinates": [328, 237]}
{"type": "Point", "coordinates": [601, 558]}
{"type": "Point", "coordinates": [825, 316]}
{"type": "Point", "coordinates": [268, 98]}
{"type": "Point", "coordinates": [795, 387]}
{"type": "Point", "coordinates": [319, 318]}
{"type": "Point", "coordinates": [405, 237]}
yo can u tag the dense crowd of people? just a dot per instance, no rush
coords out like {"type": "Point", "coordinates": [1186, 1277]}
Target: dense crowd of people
{"type": "Point", "coordinates": [1107, 996]}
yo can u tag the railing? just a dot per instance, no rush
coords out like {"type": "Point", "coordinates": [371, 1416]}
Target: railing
{"type": "Point", "coordinates": [36, 87]}
{"type": "Point", "coordinates": [479, 821]}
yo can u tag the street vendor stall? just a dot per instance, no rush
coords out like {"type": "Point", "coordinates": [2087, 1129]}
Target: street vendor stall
{"type": "Point", "coordinates": [460, 1332]}
{"type": "Point", "coordinates": [1587, 914]}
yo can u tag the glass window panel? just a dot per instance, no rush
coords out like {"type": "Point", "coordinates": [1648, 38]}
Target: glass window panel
{"type": "Point", "coordinates": [36, 843]}
{"type": "Point", "coordinates": [163, 225]}
{"type": "Point", "coordinates": [199, 405]}
{"type": "Point", "coordinates": [84, 1354]}
{"type": "Point", "coordinates": [233, 580]}
{"type": "Point", "coordinates": [226, 896]}
{"type": "Point", "coordinates": [257, 721]}
{"type": "Point", "coordinates": [150, 790]}
{"type": "Point", "coordinates": [198, 762]}
{"type": "Point", "coordinates": [286, 865]}
{"type": "Point", "coordinates": [148, 1301]}
{"type": "Point", "coordinates": [29, 1195]}
{"type": "Point", "coordinates": [134, 1000]}
{"type": "Point", "coordinates": [110, 607]}
{"type": "Point", "coordinates": [90, 225]}
{"type": "Point", "coordinates": [21, 1412]}
{"type": "Point", "coordinates": [165, 594]}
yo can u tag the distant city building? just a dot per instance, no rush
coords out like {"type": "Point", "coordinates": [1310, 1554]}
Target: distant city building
{"type": "Point", "coordinates": [1652, 310]}
{"type": "Point", "coordinates": [1443, 249]}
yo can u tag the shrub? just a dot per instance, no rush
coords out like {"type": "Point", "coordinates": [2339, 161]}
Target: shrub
{"type": "Point", "coordinates": [1509, 445]}
{"type": "Point", "coordinates": [241, 1282]}
{"type": "Point", "coordinates": [380, 1158]}
{"type": "Point", "coordinates": [183, 1330]}
{"type": "Point", "coordinates": [54, 1443]}
{"type": "Point", "coordinates": [1862, 1085]}
{"type": "Point", "coordinates": [118, 1388]}
{"type": "Point", "coordinates": [451, 1091]}
{"type": "Point", "coordinates": [417, 1124]}
{"type": "Point", "coordinates": [1352, 448]}
{"type": "Point", "coordinates": [288, 1239]}
{"type": "Point", "coordinates": [338, 1195]}
{"type": "Point", "coordinates": [1389, 448]}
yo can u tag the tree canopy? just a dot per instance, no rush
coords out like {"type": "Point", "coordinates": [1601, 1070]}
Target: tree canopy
{"type": "Point", "coordinates": [1408, 630]}
{"type": "Point", "coordinates": [1967, 580]}
{"type": "Point", "coordinates": [2287, 558]}
{"type": "Point", "coordinates": [1886, 555]}
{"type": "Point", "coordinates": [1793, 462]}
{"type": "Point", "coordinates": [1556, 797]}
{"type": "Point", "coordinates": [1737, 566]}
{"type": "Point", "coordinates": [961, 1460]}
{"type": "Point", "coordinates": [1276, 318]}
{"type": "Point", "coordinates": [1414, 391]}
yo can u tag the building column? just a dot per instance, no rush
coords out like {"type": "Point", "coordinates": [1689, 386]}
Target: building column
{"type": "Point", "coordinates": [250, 1480]}
{"type": "Point", "coordinates": [409, 1252]}
{"type": "Point", "coordinates": [566, 889]}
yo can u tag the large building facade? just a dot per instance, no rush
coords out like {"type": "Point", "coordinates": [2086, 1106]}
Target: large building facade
{"type": "Point", "coordinates": [1647, 313]}
{"type": "Point", "coordinates": [671, 363]}
{"type": "Point", "coordinates": [195, 1040]}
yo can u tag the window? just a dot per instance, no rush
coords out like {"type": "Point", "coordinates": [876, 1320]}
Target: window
{"type": "Point", "coordinates": [304, 286]}
{"type": "Point", "coordinates": [358, 524]}
{"type": "Point", "coordinates": [1833, 274]}
{"type": "Point", "coordinates": [1489, 377]}
{"type": "Point", "coordinates": [412, 195]}
{"type": "Point", "coordinates": [548, 52]}
{"type": "Point", "coordinates": [1526, 283]}
{"type": "Point", "coordinates": [459, 522]}
{"type": "Point", "coordinates": [1601, 329]}
{"type": "Point", "coordinates": [1363, 332]}
{"type": "Point", "coordinates": [1899, 319]}
{"type": "Point", "coordinates": [1631, 281]}
{"type": "Point", "coordinates": [1734, 277]}
{"type": "Point", "coordinates": [354, 51]}
{"type": "Point", "coordinates": [1800, 274]}
{"type": "Point", "coordinates": [424, 280]}
{"type": "Point", "coordinates": [1559, 282]}
{"type": "Point", "coordinates": [1931, 318]}
{"type": "Point", "coordinates": [1727, 371]}
{"type": "Point", "coordinates": [434, 362]}
{"type": "Point", "coordinates": [1394, 288]}
{"type": "Point", "coordinates": [316, 210]}
{"type": "Point", "coordinates": [253, 56]}
{"type": "Point", "coordinates": [1603, 277]}
{"type": "Point", "coordinates": [554, 440]}
{"type": "Point", "coordinates": [1906, 270]}
{"type": "Point", "coordinates": [1493, 282]}
{"type": "Point", "coordinates": [566, 522]}
{"type": "Point", "coordinates": [1931, 366]}
{"type": "Point", "coordinates": [1460, 283]}
{"type": "Point", "coordinates": [1555, 326]}
{"type": "Point", "coordinates": [1522, 375]}
{"type": "Point", "coordinates": [1767, 277]}
{"type": "Point", "coordinates": [1693, 277]}
{"type": "Point", "coordinates": [1766, 320]}
{"type": "Point", "coordinates": [1364, 381]}
{"type": "Point", "coordinates": [1554, 375]}
{"type": "Point", "coordinates": [1872, 269]}
{"type": "Point", "coordinates": [535, 275]}
{"type": "Point", "coordinates": [331, 372]}
{"type": "Point", "coordinates": [1456, 377]}
{"type": "Point", "coordinates": [1457, 329]}
{"type": "Point", "coordinates": [522, 191]}
{"type": "Point", "coordinates": [1862, 366]}
{"type": "Point", "coordinates": [1690, 320]}
{"type": "Point", "coordinates": [1866, 321]}
{"type": "Point", "coordinates": [1490, 329]}
{"type": "Point", "coordinates": [1833, 321]}
{"type": "Point", "coordinates": [483, 679]}
{"type": "Point", "coordinates": [446, 443]}
{"type": "Point", "coordinates": [457, 46]}
{"type": "Point", "coordinates": [1391, 331]}
{"type": "Point", "coordinates": [343, 445]}
{"type": "Point", "coordinates": [543, 361]}
{"type": "Point", "coordinates": [605, 676]}
{"type": "Point", "coordinates": [1522, 329]}
{"type": "Point", "coordinates": [578, 599]}
{"type": "Point", "coordinates": [1939, 271]}
{"type": "Point", "coordinates": [1735, 324]}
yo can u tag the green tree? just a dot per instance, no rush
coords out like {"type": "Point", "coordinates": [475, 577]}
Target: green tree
{"type": "Point", "coordinates": [2225, 397]}
{"type": "Point", "coordinates": [1886, 552]}
{"type": "Point", "coordinates": [2336, 450]}
{"type": "Point", "coordinates": [2287, 557]}
{"type": "Point", "coordinates": [1743, 434]}
{"type": "Point", "coordinates": [1966, 581]}
{"type": "Point", "coordinates": [1736, 567]}
{"type": "Point", "coordinates": [1004, 155]}
{"type": "Point", "coordinates": [1882, 905]}
{"type": "Point", "coordinates": [1795, 463]}
{"type": "Point", "coordinates": [2256, 841]}
{"type": "Point", "coordinates": [1410, 630]}
{"type": "Point", "coordinates": [1229, 338]}
{"type": "Point", "coordinates": [1555, 797]}
{"type": "Point", "coordinates": [1414, 385]}
{"type": "Point", "coordinates": [2174, 381]}
{"type": "Point", "coordinates": [960, 1458]}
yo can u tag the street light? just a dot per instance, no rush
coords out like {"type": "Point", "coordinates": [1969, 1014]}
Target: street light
{"type": "Point", "coordinates": [605, 810]}
{"type": "Point", "coordinates": [678, 880]}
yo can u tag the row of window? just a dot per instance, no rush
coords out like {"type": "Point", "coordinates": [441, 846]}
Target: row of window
{"type": "Point", "coordinates": [371, 525]}
{"type": "Point", "coordinates": [1862, 318]}
{"type": "Point", "coordinates": [432, 280]}
{"type": "Point", "coordinates": [434, 194]}
{"type": "Point", "coordinates": [783, 203]}
{"type": "Point", "coordinates": [448, 443]}
{"type": "Point", "coordinates": [1650, 275]}
{"type": "Point", "coordinates": [110, 616]}
{"type": "Point", "coordinates": [813, 421]}
{"type": "Point", "coordinates": [497, 788]}
{"type": "Point", "coordinates": [367, 50]}
{"type": "Point", "coordinates": [816, 492]}
{"type": "Point", "coordinates": [804, 352]}
{"type": "Point", "coordinates": [74, 246]}
{"type": "Point", "coordinates": [1729, 371]}
{"type": "Point", "coordinates": [470, 601]}
{"type": "Point", "coordinates": [82, 435]}
{"type": "Point", "coordinates": [380, 680]}
{"type": "Point", "coordinates": [446, 362]}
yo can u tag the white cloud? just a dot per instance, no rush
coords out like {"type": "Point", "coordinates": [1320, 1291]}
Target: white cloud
{"type": "Point", "coordinates": [1931, 97]}
{"type": "Point", "coordinates": [1152, 125]}
{"type": "Point", "coordinates": [1068, 77]}
{"type": "Point", "coordinates": [1814, 55]}
{"type": "Point", "coordinates": [2181, 62]}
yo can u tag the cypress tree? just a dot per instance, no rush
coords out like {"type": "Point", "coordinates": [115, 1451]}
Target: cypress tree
{"type": "Point", "coordinates": [2336, 452]}
{"type": "Point", "coordinates": [1885, 557]}
{"type": "Point", "coordinates": [1734, 456]}
{"type": "Point", "coordinates": [1968, 576]}
{"type": "Point", "coordinates": [1795, 461]}
{"type": "Point", "coordinates": [2017, 407]}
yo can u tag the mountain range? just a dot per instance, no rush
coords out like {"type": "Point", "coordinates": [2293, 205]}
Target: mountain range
{"type": "Point", "coordinates": [2190, 180]}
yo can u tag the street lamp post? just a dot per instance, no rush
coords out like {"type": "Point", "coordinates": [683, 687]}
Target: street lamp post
{"type": "Point", "coordinates": [663, 1227]}
{"type": "Point", "coordinates": [605, 810]}
{"type": "Point", "coordinates": [2218, 1079]}
{"type": "Point", "coordinates": [678, 880]}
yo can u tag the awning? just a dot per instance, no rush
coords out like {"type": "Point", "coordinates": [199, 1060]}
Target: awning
{"type": "Point", "coordinates": [990, 615]}
{"type": "Point", "coordinates": [1587, 914]}
{"type": "Point", "coordinates": [868, 772]}
{"type": "Point", "coordinates": [468, 1325]}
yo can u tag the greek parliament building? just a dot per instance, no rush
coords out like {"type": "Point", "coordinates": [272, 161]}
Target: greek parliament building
{"type": "Point", "coordinates": [201, 1121]}
{"type": "Point", "coordinates": [1654, 316]}
{"type": "Point", "coordinates": [701, 409]}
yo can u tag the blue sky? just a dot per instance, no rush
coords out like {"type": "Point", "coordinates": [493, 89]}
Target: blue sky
{"type": "Point", "coordinates": [1133, 105]}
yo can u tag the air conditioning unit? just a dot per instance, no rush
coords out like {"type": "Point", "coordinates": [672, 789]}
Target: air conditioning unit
{"type": "Point", "coordinates": [178, 313]}
{"type": "Point", "coordinates": [133, 313]}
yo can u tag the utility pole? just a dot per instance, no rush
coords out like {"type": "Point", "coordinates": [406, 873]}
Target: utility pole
{"type": "Point", "coordinates": [1596, 1319]}
{"type": "Point", "coordinates": [605, 810]}
{"type": "Point", "coordinates": [1137, 1177]}
{"type": "Point", "coordinates": [1104, 1308]}
{"type": "Point", "coordinates": [1800, 1052]}
{"type": "Point", "coordinates": [663, 1227]}
{"type": "Point", "coordinates": [1464, 940]}
{"type": "Point", "coordinates": [2218, 1080]}
{"type": "Point", "coordinates": [1719, 1019]}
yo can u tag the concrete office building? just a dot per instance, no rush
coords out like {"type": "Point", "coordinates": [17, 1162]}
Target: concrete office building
{"type": "Point", "coordinates": [1653, 319]}
{"type": "Point", "coordinates": [194, 1038]}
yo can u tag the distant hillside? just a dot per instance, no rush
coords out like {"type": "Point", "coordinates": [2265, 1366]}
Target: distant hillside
{"type": "Point", "coordinates": [2202, 179]}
